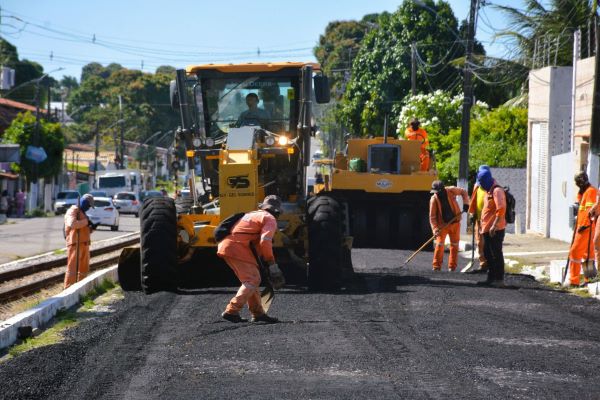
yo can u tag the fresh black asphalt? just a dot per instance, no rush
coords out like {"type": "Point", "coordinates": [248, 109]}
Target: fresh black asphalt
{"type": "Point", "coordinates": [392, 333]}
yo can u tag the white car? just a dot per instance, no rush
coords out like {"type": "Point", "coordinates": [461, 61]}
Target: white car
{"type": "Point", "coordinates": [104, 213]}
{"type": "Point", "coordinates": [64, 200]}
{"type": "Point", "coordinates": [127, 203]}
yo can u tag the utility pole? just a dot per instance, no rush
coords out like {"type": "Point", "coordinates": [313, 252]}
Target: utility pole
{"type": "Point", "coordinates": [96, 152]}
{"type": "Point", "coordinates": [122, 144]}
{"type": "Point", "coordinates": [413, 69]}
{"type": "Point", "coordinates": [463, 167]}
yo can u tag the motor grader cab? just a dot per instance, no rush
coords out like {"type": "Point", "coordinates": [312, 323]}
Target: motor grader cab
{"type": "Point", "coordinates": [385, 194]}
{"type": "Point", "coordinates": [249, 126]}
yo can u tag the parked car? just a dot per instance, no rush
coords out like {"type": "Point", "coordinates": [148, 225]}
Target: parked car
{"type": "Point", "coordinates": [151, 193]}
{"type": "Point", "coordinates": [99, 193]}
{"type": "Point", "coordinates": [127, 203]}
{"type": "Point", "coordinates": [104, 213]}
{"type": "Point", "coordinates": [64, 200]}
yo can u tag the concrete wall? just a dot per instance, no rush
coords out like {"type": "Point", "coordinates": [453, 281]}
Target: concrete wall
{"type": "Point", "coordinates": [515, 178]}
{"type": "Point", "coordinates": [548, 135]}
{"type": "Point", "coordinates": [562, 194]}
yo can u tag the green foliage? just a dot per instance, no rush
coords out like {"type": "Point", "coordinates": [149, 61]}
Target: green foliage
{"type": "Point", "coordinates": [498, 139]}
{"type": "Point", "coordinates": [381, 71]}
{"type": "Point", "coordinates": [25, 71]}
{"type": "Point", "coordinates": [145, 106]}
{"type": "Point", "coordinates": [22, 132]}
{"type": "Point", "coordinates": [440, 114]}
{"type": "Point", "coordinates": [544, 22]}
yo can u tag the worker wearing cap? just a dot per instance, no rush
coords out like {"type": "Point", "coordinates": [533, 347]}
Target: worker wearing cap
{"type": "Point", "coordinates": [582, 247]}
{"type": "Point", "coordinates": [257, 229]}
{"type": "Point", "coordinates": [444, 217]}
{"type": "Point", "coordinates": [415, 132]}
{"type": "Point", "coordinates": [492, 228]}
{"type": "Point", "coordinates": [78, 228]}
{"type": "Point", "coordinates": [475, 209]}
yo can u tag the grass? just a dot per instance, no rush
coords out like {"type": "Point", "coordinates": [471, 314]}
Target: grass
{"type": "Point", "coordinates": [64, 320]}
{"type": "Point", "coordinates": [59, 252]}
{"type": "Point", "coordinates": [54, 334]}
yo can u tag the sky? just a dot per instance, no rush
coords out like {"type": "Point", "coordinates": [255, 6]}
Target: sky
{"type": "Point", "coordinates": [64, 35]}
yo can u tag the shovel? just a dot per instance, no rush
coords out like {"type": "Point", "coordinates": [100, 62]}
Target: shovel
{"type": "Point", "coordinates": [267, 294]}
{"type": "Point", "coordinates": [429, 241]}
{"type": "Point", "coordinates": [470, 264]}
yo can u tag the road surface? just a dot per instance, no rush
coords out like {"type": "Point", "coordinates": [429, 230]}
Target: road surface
{"type": "Point", "coordinates": [390, 334]}
{"type": "Point", "coordinates": [25, 237]}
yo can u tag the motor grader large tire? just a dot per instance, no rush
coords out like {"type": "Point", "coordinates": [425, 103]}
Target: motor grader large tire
{"type": "Point", "coordinates": [158, 245]}
{"type": "Point", "coordinates": [325, 219]}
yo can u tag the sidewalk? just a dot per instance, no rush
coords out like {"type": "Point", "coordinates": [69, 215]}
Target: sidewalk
{"type": "Point", "coordinates": [528, 249]}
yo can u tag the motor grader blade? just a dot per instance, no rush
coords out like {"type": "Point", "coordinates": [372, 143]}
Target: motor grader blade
{"type": "Point", "coordinates": [129, 269]}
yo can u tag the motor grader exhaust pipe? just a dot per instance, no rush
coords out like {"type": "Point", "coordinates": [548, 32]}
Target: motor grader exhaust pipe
{"type": "Point", "coordinates": [129, 269]}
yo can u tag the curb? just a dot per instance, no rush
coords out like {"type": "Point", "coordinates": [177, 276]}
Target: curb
{"type": "Point", "coordinates": [37, 316]}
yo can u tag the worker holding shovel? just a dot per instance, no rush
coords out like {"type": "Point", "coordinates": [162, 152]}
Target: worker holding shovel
{"type": "Point", "coordinates": [77, 232]}
{"type": "Point", "coordinates": [250, 240]}
{"type": "Point", "coordinates": [443, 212]}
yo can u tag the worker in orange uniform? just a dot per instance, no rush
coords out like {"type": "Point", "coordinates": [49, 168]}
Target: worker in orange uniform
{"type": "Point", "coordinates": [493, 227]}
{"type": "Point", "coordinates": [257, 229]}
{"type": "Point", "coordinates": [415, 132]}
{"type": "Point", "coordinates": [77, 232]}
{"type": "Point", "coordinates": [582, 247]}
{"type": "Point", "coordinates": [444, 217]}
{"type": "Point", "coordinates": [475, 209]}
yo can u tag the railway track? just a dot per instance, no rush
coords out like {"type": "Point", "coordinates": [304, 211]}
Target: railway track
{"type": "Point", "coordinates": [25, 277]}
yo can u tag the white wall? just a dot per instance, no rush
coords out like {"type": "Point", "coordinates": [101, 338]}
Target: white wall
{"type": "Point", "coordinates": [562, 194]}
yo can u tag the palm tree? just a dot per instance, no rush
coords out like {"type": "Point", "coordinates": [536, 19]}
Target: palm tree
{"type": "Point", "coordinates": [543, 34]}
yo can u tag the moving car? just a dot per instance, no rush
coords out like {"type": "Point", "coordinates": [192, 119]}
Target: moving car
{"type": "Point", "coordinates": [151, 193]}
{"type": "Point", "coordinates": [99, 193]}
{"type": "Point", "coordinates": [127, 203]}
{"type": "Point", "coordinates": [104, 213]}
{"type": "Point", "coordinates": [64, 200]}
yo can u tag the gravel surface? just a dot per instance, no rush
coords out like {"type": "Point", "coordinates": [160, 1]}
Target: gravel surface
{"type": "Point", "coordinates": [392, 333]}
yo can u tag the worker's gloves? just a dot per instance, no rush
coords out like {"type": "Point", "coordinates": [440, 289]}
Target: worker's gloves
{"type": "Point", "coordinates": [276, 276]}
{"type": "Point", "coordinates": [465, 208]}
{"type": "Point", "coordinates": [582, 228]}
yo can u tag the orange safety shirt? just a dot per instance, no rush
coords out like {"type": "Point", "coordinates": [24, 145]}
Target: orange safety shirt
{"type": "Point", "coordinates": [257, 227]}
{"type": "Point", "coordinates": [420, 135]}
{"type": "Point", "coordinates": [494, 205]}
{"type": "Point", "coordinates": [76, 221]}
{"type": "Point", "coordinates": [435, 206]}
{"type": "Point", "coordinates": [586, 202]}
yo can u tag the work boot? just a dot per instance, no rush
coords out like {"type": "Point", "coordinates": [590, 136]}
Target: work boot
{"type": "Point", "coordinates": [235, 318]}
{"type": "Point", "coordinates": [452, 269]}
{"type": "Point", "coordinates": [265, 318]}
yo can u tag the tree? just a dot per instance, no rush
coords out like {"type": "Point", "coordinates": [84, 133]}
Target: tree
{"type": "Point", "coordinates": [166, 70]}
{"type": "Point", "coordinates": [25, 71]}
{"type": "Point", "coordinates": [22, 132]}
{"type": "Point", "coordinates": [538, 29]}
{"type": "Point", "coordinates": [381, 72]}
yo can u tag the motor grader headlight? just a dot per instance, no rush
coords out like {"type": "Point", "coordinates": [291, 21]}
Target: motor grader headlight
{"type": "Point", "coordinates": [197, 142]}
{"type": "Point", "coordinates": [270, 140]}
{"type": "Point", "coordinates": [210, 142]}
{"type": "Point", "coordinates": [283, 140]}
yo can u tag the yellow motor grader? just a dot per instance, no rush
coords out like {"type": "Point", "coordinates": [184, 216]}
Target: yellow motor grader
{"type": "Point", "coordinates": [249, 128]}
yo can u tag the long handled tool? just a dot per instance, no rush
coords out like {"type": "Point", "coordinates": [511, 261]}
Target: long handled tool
{"type": "Point", "coordinates": [589, 272]}
{"type": "Point", "coordinates": [568, 256]}
{"type": "Point", "coordinates": [470, 264]}
{"type": "Point", "coordinates": [267, 294]}
{"type": "Point", "coordinates": [429, 241]}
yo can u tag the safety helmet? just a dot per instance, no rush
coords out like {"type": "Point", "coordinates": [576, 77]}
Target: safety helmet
{"type": "Point", "coordinates": [87, 199]}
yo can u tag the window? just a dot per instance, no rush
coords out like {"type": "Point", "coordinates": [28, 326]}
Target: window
{"type": "Point", "coordinates": [105, 182]}
{"type": "Point", "coordinates": [125, 196]}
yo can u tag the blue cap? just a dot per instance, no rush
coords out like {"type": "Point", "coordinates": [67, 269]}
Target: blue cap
{"type": "Point", "coordinates": [481, 169]}
{"type": "Point", "coordinates": [485, 180]}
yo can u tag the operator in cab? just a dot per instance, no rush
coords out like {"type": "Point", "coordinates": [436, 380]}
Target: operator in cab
{"type": "Point", "coordinates": [253, 115]}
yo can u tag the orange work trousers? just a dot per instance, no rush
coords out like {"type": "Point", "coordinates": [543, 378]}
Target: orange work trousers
{"type": "Point", "coordinates": [453, 230]}
{"type": "Point", "coordinates": [249, 276]}
{"type": "Point", "coordinates": [582, 249]}
{"type": "Point", "coordinates": [77, 271]}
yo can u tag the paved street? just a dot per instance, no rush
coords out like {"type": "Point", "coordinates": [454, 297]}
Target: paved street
{"type": "Point", "coordinates": [25, 237]}
{"type": "Point", "coordinates": [391, 334]}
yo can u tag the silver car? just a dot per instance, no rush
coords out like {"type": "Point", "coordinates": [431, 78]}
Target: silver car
{"type": "Point", "coordinates": [127, 203]}
{"type": "Point", "coordinates": [64, 200]}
